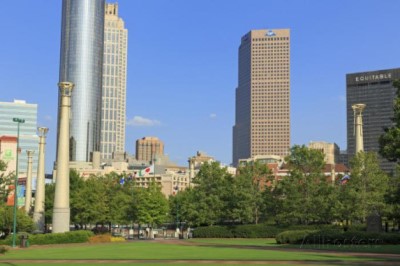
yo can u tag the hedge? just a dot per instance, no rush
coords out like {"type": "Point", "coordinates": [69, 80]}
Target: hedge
{"type": "Point", "coordinates": [252, 230]}
{"type": "Point", "coordinates": [81, 236]}
{"type": "Point", "coordinates": [336, 237]}
{"type": "Point", "coordinates": [212, 232]}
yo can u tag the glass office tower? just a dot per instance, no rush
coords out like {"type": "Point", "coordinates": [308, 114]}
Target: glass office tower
{"type": "Point", "coordinates": [375, 89]}
{"type": "Point", "coordinates": [81, 61]}
{"type": "Point", "coordinates": [29, 139]}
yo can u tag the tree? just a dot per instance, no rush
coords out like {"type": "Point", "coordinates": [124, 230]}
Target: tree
{"type": "Point", "coordinates": [151, 205]}
{"type": "Point", "coordinates": [247, 192]}
{"type": "Point", "coordinates": [389, 141]}
{"type": "Point", "coordinates": [49, 202]}
{"type": "Point", "coordinates": [368, 186]}
{"type": "Point", "coordinates": [5, 181]}
{"type": "Point", "coordinates": [210, 193]}
{"type": "Point", "coordinates": [24, 222]}
{"type": "Point", "coordinates": [305, 195]}
{"type": "Point", "coordinates": [389, 148]}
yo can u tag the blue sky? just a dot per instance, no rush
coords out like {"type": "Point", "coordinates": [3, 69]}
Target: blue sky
{"type": "Point", "coordinates": [182, 64]}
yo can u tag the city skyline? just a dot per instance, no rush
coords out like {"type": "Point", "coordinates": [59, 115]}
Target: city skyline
{"type": "Point", "coordinates": [182, 70]}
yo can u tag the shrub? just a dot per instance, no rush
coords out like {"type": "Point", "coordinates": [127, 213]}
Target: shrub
{"type": "Point", "coordinates": [54, 238]}
{"type": "Point", "coordinates": [293, 237]}
{"type": "Point", "coordinates": [103, 238]}
{"type": "Point", "coordinates": [212, 232]}
{"type": "Point", "coordinates": [254, 230]}
{"type": "Point", "coordinates": [3, 249]}
{"type": "Point", "coordinates": [336, 237]}
{"type": "Point", "coordinates": [117, 239]}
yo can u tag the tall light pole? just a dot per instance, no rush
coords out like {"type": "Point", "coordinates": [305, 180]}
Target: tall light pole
{"type": "Point", "coordinates": [61, 210]}
{"type": "Point", "coordinates": [38, 211]}
{"type": "Point", "coordinates": [18, 121]}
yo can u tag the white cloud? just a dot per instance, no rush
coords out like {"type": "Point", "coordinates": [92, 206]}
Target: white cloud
{"type": "Point", "coordinates": [138, 121]}
{"type": "Point", "coordinates": [212, 116]}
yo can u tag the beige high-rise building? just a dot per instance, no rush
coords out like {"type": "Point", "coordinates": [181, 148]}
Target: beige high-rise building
{"type": "Point", "coordinates": [148, 148]}
{"type": "Point", "coordinates": [262, 120]}
{"type": "Point", "coordinates": [114, 83]}
{"type": "Point", "coordinates": [331, 151]}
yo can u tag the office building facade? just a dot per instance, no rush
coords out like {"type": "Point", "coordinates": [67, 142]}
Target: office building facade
{"type": "Point", "coordinates": [81, 61]}
{"type": "Point", "coordinates": [375, 90]}
{"type": "Point", "coordinates": [331, 151]}
{"type": "Point", "coordinates": [28, 138]}
{"type": "Point", "coordinates": [114, 84]}
{"type": "Point", "coordinates": [262, 118]}
{"type": "Point", "coordinates": [149, 148]}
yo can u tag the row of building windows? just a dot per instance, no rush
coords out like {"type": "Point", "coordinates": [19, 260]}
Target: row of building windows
{"type": "Point", "coordinates": [270, 39]}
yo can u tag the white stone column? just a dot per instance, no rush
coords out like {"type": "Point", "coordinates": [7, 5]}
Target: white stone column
{"type": "Point", "coordinates": [38, 213]}
{"type": "Point", "coordinates": [358, 126]}
{"type": "Point", "coordinates": [191, 170]}
{"type": "Point", "coordinates": [61, 210]}
{"type": "Point", "coordinates": [28, 190]}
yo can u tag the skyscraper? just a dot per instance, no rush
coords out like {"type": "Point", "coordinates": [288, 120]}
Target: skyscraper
{"type": "Point", "coordinates": [148, 148]}
{"type": "Point", "coordinates": [81, 62]}
{"type": "Point", "coordinates": [262, 119]}
{"type": "Point", "coordinates": [29, 139]}
{"type": "Point", "coordinates": [375, 90]}
{"type": "Point", "coordinates": [114, 83]}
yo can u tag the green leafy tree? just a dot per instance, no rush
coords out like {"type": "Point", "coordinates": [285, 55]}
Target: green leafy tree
{"type": "Point", "coordinates": [247, 191]}
{"type": "Point", "coordinates": [392, 198]}
{"type": "Point", "coordinates": [24, 222]}
{"type": "Point", "coordinates": [305, 194]}
{"type": "Point", "coordinates": [367, 187]}
{"type": "Point", "coordinates": [5, 181]}
{"type": "Point", "coordinates": [211, 189]}
{"type": "Point", "coordinates": [49, 202]}
{"type": "Point", "coordinates": [389, 148]}
{"type": "Point", "coordinates": [151, 205]}
{"type": "Point", "coordinates": [389, 142]}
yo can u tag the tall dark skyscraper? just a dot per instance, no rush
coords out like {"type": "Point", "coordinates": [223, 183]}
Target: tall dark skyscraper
{"type": "Point", "coordinates": [81, 62]}
{"type": "Point", "coordinates": [375, 89]}
{"type": "Point", "coordinates": [262, 120]}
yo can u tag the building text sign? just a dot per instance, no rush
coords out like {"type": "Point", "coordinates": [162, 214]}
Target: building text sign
{"type": "Point", "coordinates": [373, 77]}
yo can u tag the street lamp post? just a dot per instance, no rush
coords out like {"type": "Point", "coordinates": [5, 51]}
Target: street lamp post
{"type": "Point", "coordinates": [18, 121]}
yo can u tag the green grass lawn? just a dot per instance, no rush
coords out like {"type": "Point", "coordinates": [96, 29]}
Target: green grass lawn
{"type": "Point", "coordinates": [154, 250]}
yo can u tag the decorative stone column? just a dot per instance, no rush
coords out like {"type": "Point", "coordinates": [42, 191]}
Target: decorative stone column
{"type": "Point", "coordinates": [191, 162]}
{"type": "Point", "coordinates": [358, 126]}
{"type": "Point", "coordinates": [28, 191]}
{"type": "Point", "coordinates": [61, 210]}
{"type": "Point", "coordinates": [38, 213]}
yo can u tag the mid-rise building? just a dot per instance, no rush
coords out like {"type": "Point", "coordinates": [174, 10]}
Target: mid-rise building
{"type": "Point", "coordinates": [375, 90]}
{"type": "Point", "coordinates": [81, 62]}
{"type": "Point", "coordinates": [114, 84]}
{"type": "Point", "coordinates": [262, 119]}
{"type": "Point", "coordinates": [331, 151]}
{"type": "Point", "coordinates": [148, 148]}
{"type": "Point", "coordinates": [28, 138]}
